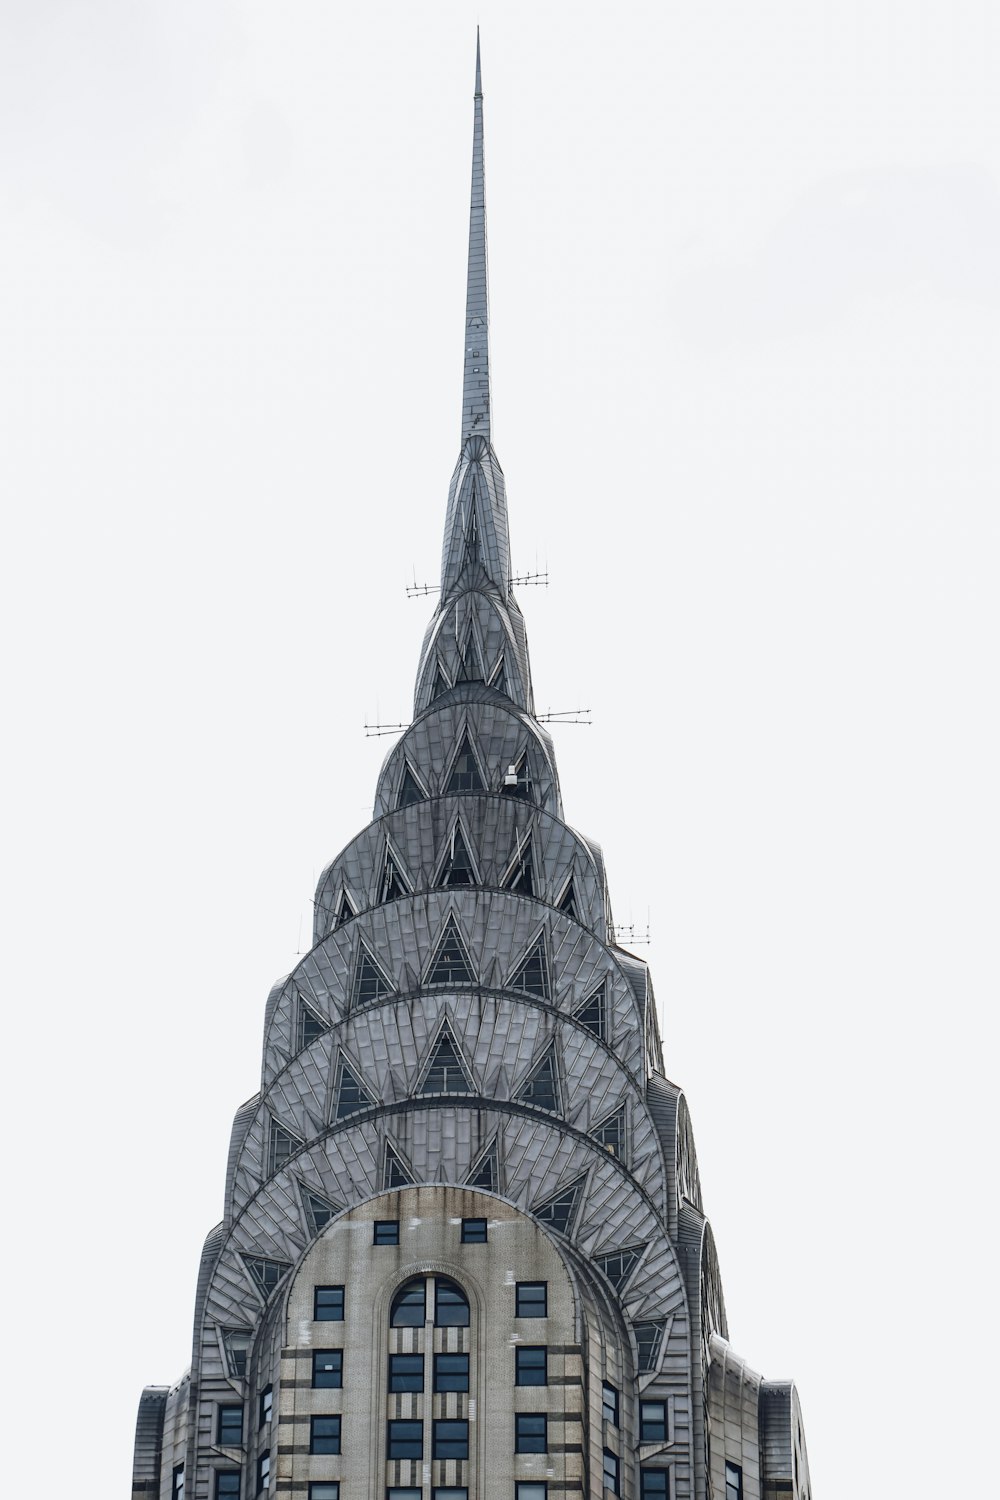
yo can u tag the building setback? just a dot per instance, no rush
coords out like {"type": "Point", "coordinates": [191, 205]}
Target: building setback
{"type": "Point", "coordinates": [464, 1254]}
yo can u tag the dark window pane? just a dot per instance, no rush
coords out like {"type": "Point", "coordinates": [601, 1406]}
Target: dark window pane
{"type": "Point", "coordinates": [611, 1473]}
{"type": "Point", "coordinates": [610, 1403]}
{"type": "Point", "coordinates": [451, 1306]}
{"type": "Point", "coordinates": [451, 1439]}
{"type": "Point", "coordinates": [734, 1482]}
{"type": "Point", "coordinates": [405, 1440]}
{"type": "Point", "coordinates": [328, 1369]}
{"type": "Point", "coordinates": [408, 1305]}
{"type": "Point", "coordinates": [264, 1472]}
{"type": "Point", "coordinates": [328, 1304]}
{"type": "Point", "coordinates": [532, 1299]}
{"type": "Point", "coordinates": [530, 1434]}
{"type": "Point", "coordinates": [654, 1484]}
{"type": "Point", "coordinates": [266, 1406]}
{"type": "Point", "coordinates": [230, 1429]}
{"type": "Point", "coordinates": [473, 1231]}
{"type": "Point", "coordinates": [403, 1493]}
{"type": "Point", "coordinates": [531, 1491]}
{"type": "Point", "coordinates": [325, 1489]}
{"type": "Point", "coordinates": [653, 1422]}
{"type": "Point", "coordinates": [531, 1365]}
{"type": "Point", "coordinates": [450, 1492]}
{"type": "Point", "coordinates": [451, 1372]}
{"type": "Point", "coordinates": [406, 1372]}
{"type": "Point", "coordinates": [387, 1231]}
{"type": "Point", "coordinates": [227, 1483]}
{"type": "Point", "coordinates": [324, 1435]}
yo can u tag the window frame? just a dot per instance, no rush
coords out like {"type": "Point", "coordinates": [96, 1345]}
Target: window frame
{"type": "Point", "coordinates": [418, 1371]}
{"type": "Point", "coordinates": [317, 1486]}
{"type": "Point", "coordinates": [336, 1369]}
{"type": "Point", "coordinates": [229, 1407]}
{"type": "Point", "coordinates": [471, 1236]}
{"type": "Point", "coordinates": [523, 1440]}
{"type": "Point", "coordinates": [610, 1403]}
{"type": "Point", "coordinates": [521, 1289]}
{"type": "Point", "coordinates": [438, 1440]}
{"type": "Point", "coordinates": [611, 1463]}
{"type": "Point", "coordinates": [228, 1494]}
{"type": "Point", "coordinates": [734, 1487]}
{"type": "Point", "coordinates": [442, 1354]}
{"type": "Point", "coordinates": [519, 1351]}
{"type": "Point", "coordinates": [385, 1232]}
{"type": "Point", "coordinates": [646, 1492]}
{"type": "Point", "coordinates": [664, 1436]}
{"type": "Point", "coordinates": [323, 1313]}
{"type": "Point", "coordinates": [524, 1487]}
{"type": "Point", "coordinates": [265, 1407]}
{"type": "Point", "coordinates": [450, 1287]}
{"type": "Point", "coordinates": [177, 1490]}
{"type": "Point", "coordinates": [418, 1441]}
{"type": "Point", "coordinates": [264, 1472]}
{"type": "Point", "coordinates": [316, 1437]}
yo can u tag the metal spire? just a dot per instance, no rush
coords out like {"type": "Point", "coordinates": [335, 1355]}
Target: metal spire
{"type": "Point", "coordinates": [476, 388]}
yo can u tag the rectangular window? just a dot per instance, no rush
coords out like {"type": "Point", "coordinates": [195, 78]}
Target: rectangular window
{"type": "Point", "coordinates": [611, 1469]}
{"type": "Point", "coordinates": [734, 1482]}
{"type": "Point", "coordinates": [227, 1484]}
{"type": "Point", "coordinates": [449, 1492]}
{"type": "Point", "coordinates": [451, 1372]}
{"type": "Point", "coordinates": [531, 1491]}
{"type": "Point", "coordinates": [324, 1435]}
{"type": "Point", "coordinates": [406, 1372]}
{"type": "Point", "coordinates": [532, 1299]}
{"type": "Point", "coordinates": [652, 1422]}
{"type": "Point", "coordinates": [264, 1472]}
{"type": "Point", "coordinates": [654, 1484]}
{"type": "Point", "coordinates": [328, 1369]}
{"type": "Point", "coordinates": [530, 1432]}
{"type": "Point", "coordinates": [405, 1440]}
{"type": "Point", "coordinates": [266, 1404]}
{"type": "Point", "coordinates": [451, 1439]}
{"type": "Point", "coordinates": [177, 1487]}
{"type": "Point", "coordinates": [387, 1231]}
{"type": "Point", "coordinates": [473, 1231]}
{"type": "Point", "coordinates": [610, 1404]}
{"type": "Point", "coordinates": [229, 1432]}
{"type": "Point", "coordinates": [403, 1494]}
{"type": "Point", "coordinates": [531, 1365]}
{"type": "Point", "coordinates": [328, 1304]}
{"type": "Point", "coordinates": [324, 1489]}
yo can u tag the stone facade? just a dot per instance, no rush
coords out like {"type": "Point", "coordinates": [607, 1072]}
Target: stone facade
{"type": "Point", "coordinates": [464, 1252]}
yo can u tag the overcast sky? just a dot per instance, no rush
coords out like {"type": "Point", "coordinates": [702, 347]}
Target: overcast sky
{"type": "Point", "coordinates": [745, 279]}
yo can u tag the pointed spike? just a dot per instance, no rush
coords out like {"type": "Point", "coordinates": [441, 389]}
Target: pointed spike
{"type": "Point", "coordinates": [476, 387]}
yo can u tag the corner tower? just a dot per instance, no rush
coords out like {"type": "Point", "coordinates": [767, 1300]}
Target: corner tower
{"type": "Point", "coordinates": [464, 1254]}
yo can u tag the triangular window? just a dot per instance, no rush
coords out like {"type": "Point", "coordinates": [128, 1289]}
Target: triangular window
{"type": "Point", "coordinates": [498, 678]}
{"type": "Point", "coordinates": [542, 1087]}
{"type": "Point", "coordinates": [470, 668]}
{"type": "Point", "coordinates": [521, 875]}
{"type": "Point", "coordinates": [486, 1171]}
{"type": "Point", "coordinates": [350, 1094]}
{"type": "Point", "coordinates": [619, 1266]}
{"type": "Point", "coordinates": [265, 1274]}
{"type": "Point", "coordinates": [465, 775]}
{"type": "Point", "coordinates": [237, 1342]}
{"type": "Point", "coordinates": [517, 782]}
{"type": "Point", "coordinates": [345, 910]}
{"type": "Point", "coordinates": [446, 1075]}
{"type": "Point", "coordinates": [392, 885]}
{"type": "Point", "coordinates": [649, 1338]}
{"type": "Point", "coordinates": [450, 964]}
{"type": "Point", "coordinates": [440, 683]}
{"type": "Point", "coordinates": [593, 1012]}
{"type": "Point", "coordinates": [319, 1211]}
{"type": "Point", "coordinates": [369, 981]}
{"type": "Point", "coordinates": [559, 1211]}
{"type": "Point", "coordinates": [567, 901]}
{"type": "Point", "coordinates": [410, 790]}
{"type": "Point", "coordinates": [310, 1025]}
{"type": "Point", "coordinates": [394, 1170]}
{"type": "Point", "coordinates": [472, 533]}
{"type": "Point", "coordinates": [280, 1146]}
{"type": "Point", "coordinates": [456, 868]}
{"type": "Point", "coordinates": [611, 1133]}
{"type": "Point", "coordinates": [532, 974]}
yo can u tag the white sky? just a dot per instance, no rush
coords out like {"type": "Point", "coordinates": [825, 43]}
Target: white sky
{"type": "Point", "coordinates": [745, 274]}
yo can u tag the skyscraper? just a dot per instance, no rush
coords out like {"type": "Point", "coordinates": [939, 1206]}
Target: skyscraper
{"type": "Point", "coordinates": [464, 1254]}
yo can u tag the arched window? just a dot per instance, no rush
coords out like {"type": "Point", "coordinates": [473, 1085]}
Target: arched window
{"type": "Point", "coordinates": [409, 1306]}
{"type": "Point", "coordinates": [451, 1306]}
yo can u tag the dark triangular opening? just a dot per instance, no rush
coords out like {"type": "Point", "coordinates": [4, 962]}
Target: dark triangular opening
{"type": "Point", "coordinates": [465, 775]}
{"type": "Point", "coordinates": [392, 885]}
{"type": "Point", "coordinates": [611, 1133]}
{"type": "Point", "coordinates": [450, 964]}
{"type": "Point", "coordinates": [486, 1171]}
{"type": "Point", "coordinates": [559, 1211]}
{"type": "Point", "coordinates": [517, 782]}
{"type": "Point", "coordinates": [498, 678]}
{"type": "Point", "coordinates": [446, 1074]}
{"type": "Point", "coordinates": [532, 973]}
{"type": "Point", "coordinates": [592, 1012]}
{"type": "Point", "coordinates": [311, 1025]}
{"type": "Point", "coordinates": [648, 1337]}
{"type": "Point", "coordinates": [281, 1145]}
{"type": "Point", "coordinates": [265, 1273]}
{"type": "Point", "coordinates": [619, 1266]}
{"type": "Point", "coordinates": [567, 901]}
{"type": "Point", "coordinates": [394, 1170]}
{"type": "Point", "coordinates": [470, 668]}
{"type": "Point", "coordinates": [521, 876]}
{"type": "Point", "coordinates": [472, 533]}
{"type": "Point", "coordinates": [345, 910]}
{"type": "Point", "coordinates": [319, 1211]}
{"type": "Point", "coordinates": [440, 684]}
{"type": "Point", "coordinates": [409, 788]}
{"type": "Point", "coordinates": [541, 1088]}
{"type": "Point", "coordinates": [369, 981]}
{"type": "Point", "coordinates": [457, 866]}
{"type": "Point", "coordinates": [351, 1095]}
